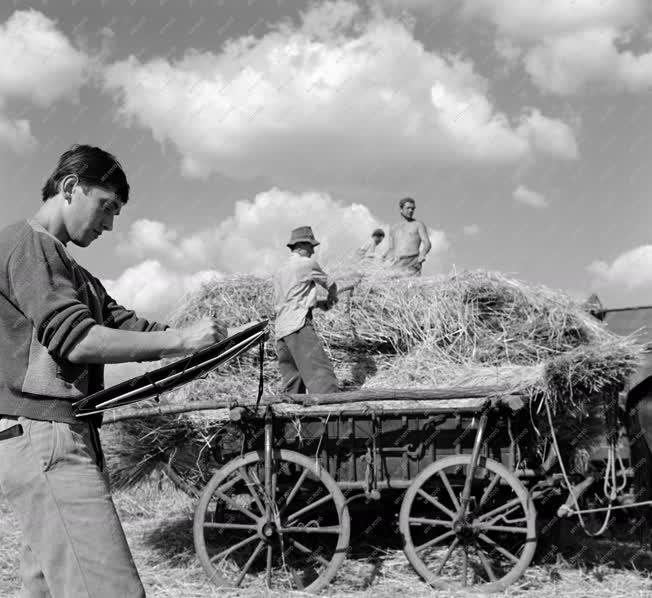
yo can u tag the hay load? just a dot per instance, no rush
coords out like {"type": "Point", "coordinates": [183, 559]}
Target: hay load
{"type": "Point", "coordinates": [467, 329]}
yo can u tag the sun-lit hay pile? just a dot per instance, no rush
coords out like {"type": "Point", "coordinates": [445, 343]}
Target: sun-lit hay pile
{"type": "Point", "coordinates": [466, 329]}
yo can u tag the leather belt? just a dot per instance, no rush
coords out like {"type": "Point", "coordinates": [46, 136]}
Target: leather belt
{"type": "Point", "coordinates": [12, 432]}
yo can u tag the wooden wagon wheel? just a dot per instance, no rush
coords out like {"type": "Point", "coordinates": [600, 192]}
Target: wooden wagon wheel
{"type": "Point", "coordinates": [489, 547]}
{"type": "Point", "coordinates": [294, 539]}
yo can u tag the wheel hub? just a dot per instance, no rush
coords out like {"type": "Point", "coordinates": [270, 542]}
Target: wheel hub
{"type": "Point", "coordinates": [266, 529]}
{"type": "Point", "coordinates": [464, 532]}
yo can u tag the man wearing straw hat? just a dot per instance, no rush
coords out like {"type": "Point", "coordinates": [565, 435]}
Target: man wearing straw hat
{"type": "Point", "coordinates": [408, 242]}
{"type": "Point", "coordinates": [302, 361]}
{"type": "Point", "coordinates": [59, 326]}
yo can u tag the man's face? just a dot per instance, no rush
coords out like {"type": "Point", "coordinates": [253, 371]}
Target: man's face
{"type": "Point", "coordinates": [89, 213]}
{"type": "Point", "coordinates": [378, 239]}
{"type": "Point", "coordinates": [407, 211]}
{"type": "Point", "coordinates": [304, 249]}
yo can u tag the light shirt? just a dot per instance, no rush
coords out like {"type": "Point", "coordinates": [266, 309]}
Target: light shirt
{"type": "Point", "coordinates": [369, 251]}
{"type": "Point", "coordinates": [295, 292]}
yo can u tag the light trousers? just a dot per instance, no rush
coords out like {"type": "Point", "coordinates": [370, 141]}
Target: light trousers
{"type": "Point", "coordinates": [74, 545]}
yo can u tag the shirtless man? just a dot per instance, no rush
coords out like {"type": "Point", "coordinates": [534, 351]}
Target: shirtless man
{"type": "Point", "coordinates": [408, 241]}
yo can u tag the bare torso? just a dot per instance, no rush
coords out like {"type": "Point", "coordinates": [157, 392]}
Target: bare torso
{"type": "Point", "coordinates": [406, 237]}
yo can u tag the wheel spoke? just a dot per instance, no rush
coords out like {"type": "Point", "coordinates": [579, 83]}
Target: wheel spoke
{"type": "Point", "coordinates": [234, 505]}
{"type": "Point", "coordinates": [499, 548]}
{"type": "Point", "coordinates": [433, 522]}
{"type": "Point", "coordinates": [310, 507]}
{"type": "Point", "coordinates": [454, 543]}
{"type": "Point", "coordinates": [233, 548]}
{"type": "Point", "coordinates": [250, 486]}
{"type": "Point", "coordinates": [268, 567]}
{"type": "Point", "coordinates": [229, 484]}
{"type": "Point", "coordinates": [297, 579]}
{"type": "Point", "coordinates": [248, 564]}
{"type": "Point", "coordinates": [434, 541]}
{"type": "Point", "coordinates": [486, 564]}
{"type": "Point", "coordinates": [487, 492]}
{"type": "Point", "coordinates": [331, 529]}
{"type": "Point", "coordinates": [500, 509]}
{"type": "Point", "coordinates": [294, 491]}
{"type": "Point", "coordinates": [449, 489]}
{"type": "Point", "coordinates": [434, 501]}
{"type": "Point", "coordinates": [307, 550]}
{"type": "Point", "coordinates": [244, 526]}
{"type": "Point", "coordinates": [504, 517]}
{"type": "Point", "coordinates": [500, 528]}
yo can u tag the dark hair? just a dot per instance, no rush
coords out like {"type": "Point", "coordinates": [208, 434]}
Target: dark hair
{"type": "Point", "coordinates": [405, 200]}
{"type": "Point", "coordinates": [93, 166]}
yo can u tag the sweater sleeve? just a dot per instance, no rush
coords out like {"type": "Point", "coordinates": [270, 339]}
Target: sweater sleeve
{"type": "Point", "coordinates": [43, 288]}
{"type": "Point", "coordinates": [116, 316]}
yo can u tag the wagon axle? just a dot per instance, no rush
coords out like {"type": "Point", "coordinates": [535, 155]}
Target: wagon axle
{"type": "Point", "coordinates": [465, 532]}
{"type": "Point", "coordinates": [267, 529]}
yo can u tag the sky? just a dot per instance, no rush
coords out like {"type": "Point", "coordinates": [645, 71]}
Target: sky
{"type": "Point", "coordinates": [521, 129]}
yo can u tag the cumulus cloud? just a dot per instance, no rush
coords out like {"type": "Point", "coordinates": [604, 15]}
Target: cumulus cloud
{"type": "Point", "coordinates": [16, 135]}
{"type": "Point", "coordinates": [549, 136]}
{"type": "Point", "coordinates": [568, 64]}
{"type": "Point", "coordinates": [39, 63]}
{"type": "Point", "coordinates": [342, 96]}
{"type": "Point", "coordinates": [536, 20]}
{"type": "Point", "coordinates": [150, 237]}
{"type": "Point", "coordinates": [154, 290]}
{"type": "Point", "coordinates": [530, 198]}
{"type": "Point", "coordinates": [253, 239]}
{"type": "Point", "coordinates": [570, 47]}
{"type": "Point", "coordinates": [632, 270]}
{"type": "Point", "coordinates": [471, 230]}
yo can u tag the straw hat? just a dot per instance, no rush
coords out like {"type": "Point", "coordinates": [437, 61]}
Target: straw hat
{"type": "Point", "coordinates": [302, 234]}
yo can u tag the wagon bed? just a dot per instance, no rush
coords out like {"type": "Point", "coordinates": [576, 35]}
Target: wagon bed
{"type": "Point", "coordinates": [275, 513]}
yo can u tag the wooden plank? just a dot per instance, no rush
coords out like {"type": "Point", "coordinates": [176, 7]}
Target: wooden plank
{"type": "Point", "coordinates": [362, 408]}
{"type": "Point", "coordinates": [390, 394]}
{"type": "Point", "coordinates": [365, 395]}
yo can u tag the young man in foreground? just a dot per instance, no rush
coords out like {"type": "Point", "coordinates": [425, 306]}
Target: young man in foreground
{"type": "Point", "coordinates": [58, 327]}
{"type": "Point", "coordinates": [302, 361]}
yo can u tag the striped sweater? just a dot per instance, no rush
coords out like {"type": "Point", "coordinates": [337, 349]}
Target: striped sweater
{"type": "Point", "coordinates": [47, 303]}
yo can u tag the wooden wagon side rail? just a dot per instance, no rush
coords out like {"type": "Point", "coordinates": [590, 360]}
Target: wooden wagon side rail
{"type": "Point", "coordinates": [430, 399]}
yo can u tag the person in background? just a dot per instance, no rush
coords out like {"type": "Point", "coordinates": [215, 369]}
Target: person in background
{"type": "Point", "coordinates": [58, 327]}
{"type": "Point", "coordinates": [408, 241]}
{"type": "Point", "coordinates": [302, 360]}
{"type": "Point", "coordinates": [369, 252]}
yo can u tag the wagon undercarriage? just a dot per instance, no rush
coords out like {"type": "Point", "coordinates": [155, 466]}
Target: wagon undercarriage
{"type": "Point", "coordinates": [280, 517]}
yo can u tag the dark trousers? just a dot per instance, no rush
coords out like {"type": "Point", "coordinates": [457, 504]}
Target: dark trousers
{"type": "Point", "coordinates": [303, 363]}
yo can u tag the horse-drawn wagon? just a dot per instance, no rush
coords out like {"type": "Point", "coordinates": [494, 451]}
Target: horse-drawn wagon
{"type": "Point", "coordinates": [454, 463]}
